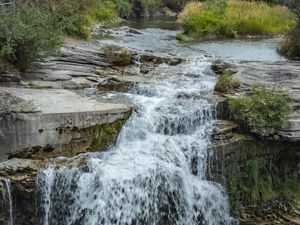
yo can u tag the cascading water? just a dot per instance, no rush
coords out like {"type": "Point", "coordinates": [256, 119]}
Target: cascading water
{"type": "Point", "coordinates": [155, 174]}
{"type": "Point", "coordinates": [8, 199]}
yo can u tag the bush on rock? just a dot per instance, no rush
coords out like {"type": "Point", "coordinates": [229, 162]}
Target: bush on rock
{"type": "Point", "coordinates": [265, 111]}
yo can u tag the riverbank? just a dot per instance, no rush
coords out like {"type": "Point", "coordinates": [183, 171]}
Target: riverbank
{"type": "Point", "coordinates": [167, 138]}
{"type": "Point", "coordinates": [261, 173]}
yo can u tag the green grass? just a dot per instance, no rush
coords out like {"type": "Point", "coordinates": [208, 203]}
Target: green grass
{"type": "Point", "coordinates": [265, 110]}
{"type": "Point", "coordinates": [234, 18]}
{"type": "Point", "coordinates": [226, 83]}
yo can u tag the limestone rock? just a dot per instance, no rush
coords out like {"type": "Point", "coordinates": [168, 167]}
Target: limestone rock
{"type": "Point", "coordinates": [285, 75]}
{"type": "Point", "coordinates": [114, 84]}
{"type": "Point", "coordinates": [64, 125]}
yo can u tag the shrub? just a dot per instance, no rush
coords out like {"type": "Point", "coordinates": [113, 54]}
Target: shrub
{"type": "Point", "coordinates": [226, 83]}
{"type": "Point", "coordinates": [77, 17]}
{"type": "Point", "coordinates": [264, 111]}
{"type": "Point", "coordinates": [27, 34]}
{"type": "Point", "coordinates": [234, 18]}
{"type": "Point", "coordinates": [291, 45]}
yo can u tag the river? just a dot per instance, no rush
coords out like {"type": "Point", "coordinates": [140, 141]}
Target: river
{"type": "Point", "coordinates": [156, 173]}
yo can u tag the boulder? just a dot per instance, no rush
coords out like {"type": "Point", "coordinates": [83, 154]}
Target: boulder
{"type": "Point", "coordinates": [115, 84]}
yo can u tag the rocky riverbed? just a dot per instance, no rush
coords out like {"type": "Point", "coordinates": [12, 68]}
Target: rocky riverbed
{"type": "Point", "coordinates": [261, 173]}
{"type": "Point", "coordinates": [45, 117]}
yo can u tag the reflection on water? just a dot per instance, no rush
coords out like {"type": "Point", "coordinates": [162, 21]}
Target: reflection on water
{"type": "Point", "coordinates": [248, 50]}
{"type": "Point", "coordinates": [168, 23]}
{"type": "Point", "coordinates": [155, 29]}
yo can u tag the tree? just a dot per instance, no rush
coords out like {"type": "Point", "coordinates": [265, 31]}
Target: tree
{"type": "Point", "coordinates": [291, 46]}
{"type": "Point", "coordinates": [294, 6]}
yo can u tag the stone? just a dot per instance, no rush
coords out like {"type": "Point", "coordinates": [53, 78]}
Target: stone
{"type": "Point", "coordinates": [115, 84]}
{"type": "Point", "coordinates": [134, 31]}
{"type": "Point", "coordinates": [285, 75]}
{"type": "Point", "coordinates": [223, 130]}
{"type": "Point", "coordinates": [10, 77]}
{"type": "Point", "coordinates": [255, 173]}
{"type": "Point", "coordinates": [63, 125]}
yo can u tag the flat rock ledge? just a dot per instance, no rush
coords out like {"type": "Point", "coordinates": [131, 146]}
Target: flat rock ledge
{"type": "Point", "coordinates": [43, 123]}
{"type": "Point", "coordinates": [285, 75]}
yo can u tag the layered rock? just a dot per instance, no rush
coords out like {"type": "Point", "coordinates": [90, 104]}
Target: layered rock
{"type": "Point", "coordinates": [262, 177]}
{"type": "Point", "coordinates": [18, 178]}
{"type": "Point", "coordinates": [283, 75]}
{"type": "Point", "coordinates": [50, 123]}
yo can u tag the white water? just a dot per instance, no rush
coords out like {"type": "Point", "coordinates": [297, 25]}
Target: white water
{"type": "Point", "coordinates": [8, 199]}
{"type": "Point", "coordinates": [156, 173]}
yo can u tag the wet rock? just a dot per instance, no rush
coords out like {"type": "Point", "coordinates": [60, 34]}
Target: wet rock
{"type": "Point", "coordinates": [115, 84]}
{"type": "Point", "coordinates": [161, 58]}
{"type": "Point", "coordinates": [255, 174]}
{"type": "Point", "coordinates": [118, 56]}
{"type": "Point", "coordinates": [223, 130]}
{"type": "Point", "coordinates": [21, 175]}
{"type": "Point", "coordinates": [10, 77]}
{"type": "Point", "coordinates": [134, 31]}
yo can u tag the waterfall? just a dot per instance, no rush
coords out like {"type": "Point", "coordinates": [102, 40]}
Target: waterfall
{"type": "Point", "coordinates": [137, 63]}
{"type": "Point", "coordinates": [8, 199]}
{"type": "Point", "coordinates": [156, 172]}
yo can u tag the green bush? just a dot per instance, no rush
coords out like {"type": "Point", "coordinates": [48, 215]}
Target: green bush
{"type": "Point", "coordinates": [234, 18]}
{"type": "Point", "coordinates": [77, 17]}
{"type": "Point", "coordinates": [291, 45]}
{"type": "Point", "coordinates": [27, 34]}
{"type": "Point", "coordinates": [226, 83]}
{"type": "Point", "coordinates": [264, 111]}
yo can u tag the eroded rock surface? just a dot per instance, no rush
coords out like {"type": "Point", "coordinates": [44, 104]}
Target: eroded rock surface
{"type": "Point", "coordinates": [48, 123]}
{"type": "Point", "coordinates": [284, 75]}
{"type": "Point", "coordinates": [261, 177]}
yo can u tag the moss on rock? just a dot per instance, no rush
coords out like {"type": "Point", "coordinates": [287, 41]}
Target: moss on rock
{"type": "Point", "coordinates": [118, 56]}
{"type": "Point", "coordinates": [260, 175]}
{"type": "Point", "coordinates": [105, 135]}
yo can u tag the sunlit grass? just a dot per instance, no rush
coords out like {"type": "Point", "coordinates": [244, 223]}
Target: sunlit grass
{"type": "Point", "coordinates": [234, 18]}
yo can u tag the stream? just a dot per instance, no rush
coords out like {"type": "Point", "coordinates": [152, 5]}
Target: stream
{"type": "Point", "coordinates": [156, 173]}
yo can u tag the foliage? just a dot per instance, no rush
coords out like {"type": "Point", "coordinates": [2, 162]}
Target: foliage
{"type": "Point", "coordinates": [258, 179]}
{"type": "Point", "coordinates": [226, 83]}
{"type": "Point", "coordinates": [265, 110]}
{"type": "Point", "coordinates": [27, 34]}
{"type": "Point", "coordinates": [291, 45]}
{"type": "Point", "coordinates": [293, 5]}
{"type": "Point", "coordinates": [181, 37]}
{"type": "Point", "coordinates": [234, 18]}
{"type": "Point", "coordinates": [77, 17]}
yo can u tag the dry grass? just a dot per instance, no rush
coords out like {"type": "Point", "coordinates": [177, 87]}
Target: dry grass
{"type": "Point", "coordinates": [234, 18]}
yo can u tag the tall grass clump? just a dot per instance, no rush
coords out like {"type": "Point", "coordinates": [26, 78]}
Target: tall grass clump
{"type": "Point", "coordinates": [226, 83]}
{"type": "Point", "coordinates": [264, 111]}
{"type": "Point", "coordinates": [27, 34]}
{"type": "Point", "coordinates": [234, 18]}
{"type": "Point", "coordinates": [291, 45]}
